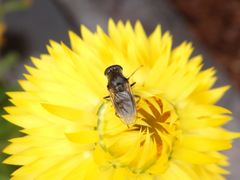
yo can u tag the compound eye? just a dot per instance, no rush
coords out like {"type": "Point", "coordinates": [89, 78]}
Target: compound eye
{"type": "Point", "coordinates": [112, 69]}
{"type": "Point", "coordinates": [119, 68]}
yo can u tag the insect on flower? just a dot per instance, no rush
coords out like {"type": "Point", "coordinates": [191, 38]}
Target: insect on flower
{"type": "Point", "coordinates": [177, 126]}
{"type": "Point", "coordinates": [121, 94]}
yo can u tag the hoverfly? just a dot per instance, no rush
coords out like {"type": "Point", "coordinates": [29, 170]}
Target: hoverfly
{"type": "Point", "coordinates": [121, 94]}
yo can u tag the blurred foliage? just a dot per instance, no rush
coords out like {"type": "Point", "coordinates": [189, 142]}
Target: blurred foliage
{"type": "Point", "coordinates": [12, 5]}
{"type": "Point", "coordinates": [7, 63]}
{"type": "Point", "coordinates": [7, 130]}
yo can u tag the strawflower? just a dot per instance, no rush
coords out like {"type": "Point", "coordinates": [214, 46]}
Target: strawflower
{"type": "Point", "coordinates": [72, 132]}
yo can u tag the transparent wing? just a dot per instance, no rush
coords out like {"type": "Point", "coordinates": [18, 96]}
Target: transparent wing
{"type": "Point", "coordinates": [124, 104]}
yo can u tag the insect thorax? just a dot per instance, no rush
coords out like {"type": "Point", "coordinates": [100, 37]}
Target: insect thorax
{"type": "Point", "coordinates": [117, 83]}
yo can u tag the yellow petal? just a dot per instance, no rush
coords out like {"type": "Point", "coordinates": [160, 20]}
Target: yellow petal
{"type": "Point", "coordinates": [204, 143]}
{"type": "Point", "coordinates": [210, 96]}
{"type": "Point", "coordinates": [83, 137]}
{"type": "Point", "coordinates": [192, 156]}
{"type": "Point", "coordinates": [68, 113]}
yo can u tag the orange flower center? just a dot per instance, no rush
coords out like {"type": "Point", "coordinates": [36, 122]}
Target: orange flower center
{"type": "Point", "coordinates": [141, 144]}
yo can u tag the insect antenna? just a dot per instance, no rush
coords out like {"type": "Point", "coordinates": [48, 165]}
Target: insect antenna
{"type": "Point", "coordinates": [134, 72]}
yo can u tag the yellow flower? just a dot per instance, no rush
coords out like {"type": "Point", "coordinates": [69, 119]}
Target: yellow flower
{"type": "Point", "coordinates": [72, 132]}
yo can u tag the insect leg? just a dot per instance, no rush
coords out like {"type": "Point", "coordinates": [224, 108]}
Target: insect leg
{"type": "Point", "coordinates": [117, 114]}
{"type": "Point", "coordinates": [138, 98]}
{"type": "Point", "coordinates": [107, 98]}
{"type": "Point", "coordinates": [133, 84]}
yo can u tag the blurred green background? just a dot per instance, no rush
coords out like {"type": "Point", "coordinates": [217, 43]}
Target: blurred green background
{"type": "Point", "coordinates": [8, 60]}
{"type": "Point", "coordinates": [25, 28]}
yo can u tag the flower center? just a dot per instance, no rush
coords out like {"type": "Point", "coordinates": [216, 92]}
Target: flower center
{"type": "Point", "coordinates": [143, 144]}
